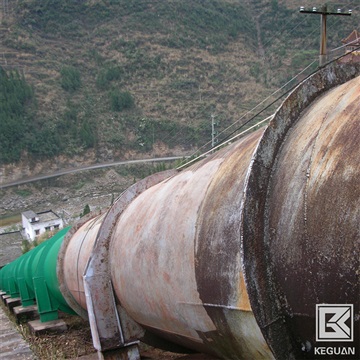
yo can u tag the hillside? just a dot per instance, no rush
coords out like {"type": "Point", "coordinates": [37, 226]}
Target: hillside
{"type": "Point", "coordinates": [119, 79]}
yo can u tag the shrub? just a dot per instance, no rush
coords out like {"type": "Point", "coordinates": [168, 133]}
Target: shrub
{"type": "Point", "coordinates": [87, 134]}
{"type": "Point", "coordinates": [25, 246]}
{"type": "Point", "coordinates": [121, 100]}
{"type": "Point", "coordinates": [105, 76]}
{"type": "Point", "coordinates": [70, 78]}
{"type": "Point", "coordinates": [303, 58]}
{"type": "Point", "coordinates": [85, 211]}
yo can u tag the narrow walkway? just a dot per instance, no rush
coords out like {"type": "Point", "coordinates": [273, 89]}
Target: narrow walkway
{"type": "Point", "coordinates": [12, 344]}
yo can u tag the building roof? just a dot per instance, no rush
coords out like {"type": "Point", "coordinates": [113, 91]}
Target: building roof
{"type": "Point", "coordinates": [353, 39]}
{"type": "Point", "coordinates": [43, 216]}
{"type": "Point", "coordinates": [10, 247]}
{"type": "Point", "coordinates": [29, 214]}
{"type": "Point", "coordinates": [47, 216]}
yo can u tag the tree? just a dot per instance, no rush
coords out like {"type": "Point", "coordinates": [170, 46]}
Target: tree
{"type": "Point", "coordinates": [85, 211]}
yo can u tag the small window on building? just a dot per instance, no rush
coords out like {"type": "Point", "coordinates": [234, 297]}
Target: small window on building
{"type": "Point", "coordinates": [47, 228]}
{"type": "Point", "coordinates": [56, 227]}
{"type": "Point", "coordinates": [37, 232]}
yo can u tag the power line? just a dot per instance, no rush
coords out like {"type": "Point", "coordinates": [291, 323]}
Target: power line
{"type": "Point", "coordinates": [258, 105]}
{"type": "Point", "coordinates": [223, 143]}
{"type": "Point", "coordinates": [285, 85]}
{"type": "Point", "coordinates": [172, 135]}
{"type": "Point", "coordinates": [296, 74]}
{"type": "Point", "coordinates": [226, 139]}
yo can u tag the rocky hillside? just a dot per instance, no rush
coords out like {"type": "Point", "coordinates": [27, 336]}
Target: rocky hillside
{"type": "Point", "coordinates": [120, 79]}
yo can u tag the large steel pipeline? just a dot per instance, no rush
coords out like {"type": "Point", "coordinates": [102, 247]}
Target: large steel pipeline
{"type": "Point", "coordinates": [232, 255]}
{"type": "Point", "coordinates": [183, 272]}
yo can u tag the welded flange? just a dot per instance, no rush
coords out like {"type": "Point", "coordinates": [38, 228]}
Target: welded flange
{"type": "Point", "coordinates": [290, 334]}
{"type": "Point", "coordinates": [60, 269]}
{"type": "Point", "coordinates": [111, 328]}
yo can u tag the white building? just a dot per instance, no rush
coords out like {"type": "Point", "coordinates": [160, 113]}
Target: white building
{"type": "Point", "coordinates": [35, 224]}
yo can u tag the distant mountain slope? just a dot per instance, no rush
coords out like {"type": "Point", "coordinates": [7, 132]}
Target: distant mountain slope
{"type": "Point", "coordinates": [117, 78]}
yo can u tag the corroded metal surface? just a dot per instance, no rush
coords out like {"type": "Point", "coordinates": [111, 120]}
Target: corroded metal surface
{"type": "Point", "coordinates": [73, 257]}
{"type": "Point", "coordinates": [110, 325]}
{"type": "Point", "coordinates": [175, 258]}
{"type": "Point", "coordinates": [314, 220]}
{"type": "Point", "coordinates": [230, 256]}
{"type": "Point", "coordinates": [301, 213]}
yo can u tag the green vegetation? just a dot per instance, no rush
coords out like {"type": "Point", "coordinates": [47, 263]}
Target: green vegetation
{"type": "Point", "coordinates": [194, 23]}
{"type": "Point", "coordinates": [21, 130]}
{"type": "Point", "coordinates": [129, 76]}
{"type": "Point", "coordinates": [149, 131]}
{"type": "Point", "coordinates": [26, 246]}
{"type": "Point", "coordinates": [86, 210]}
{"type": "Point", "coordinates": [140, 171]}
{"type": "Point", "coordinates": [16, 98]}
{"type": "Point", "coordinates": [70, 78]}
{"type": "Point", "coordinates": [53, 17]}
{"type": "Point", "coordinates": [80, 184]}
{"type": "Point", "coordinates": [106, 76]}
{"type": "Point", "coordinates": [10, 220]}
{"type": "Point", "coordinates": [23, 192]}
{"type": "Point", "coordinates": [121, 100]}
{"type": "Point", "coordinates": [302, 57]}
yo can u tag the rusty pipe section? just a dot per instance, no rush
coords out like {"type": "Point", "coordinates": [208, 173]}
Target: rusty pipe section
{"type": "Point", "coordinates": [198, 234]}
{"type": "Point", "coordinates": [301, 232]}
{"type": "Point", "coordinates": [73, 256]}
{"type": "Point", "coordinates": [181, 274]}
{"type": "Point", "coordinates": [231, 256]}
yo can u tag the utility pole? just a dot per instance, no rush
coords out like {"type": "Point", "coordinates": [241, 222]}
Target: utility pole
{"type": "Point", "coordinates": [213, 133]}
{"type": "Point", "coordinates": [324, 13]}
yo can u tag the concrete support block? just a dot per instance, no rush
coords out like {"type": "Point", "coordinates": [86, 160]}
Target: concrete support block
{"type": "Point", "coordinates": [28, 312]}
{"type": "Point", "coordinates": [130, 352]}
{"type": "Point", "coordinates": [4, 297]}
{"type": "Point", "coordinates": [37, 327]}
{"type": "Point", "coordinates": [12, 302]}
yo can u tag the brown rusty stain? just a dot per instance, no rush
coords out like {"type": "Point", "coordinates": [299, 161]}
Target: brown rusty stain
{"type": "Point", "coordinates": [302, 211]}
{"type": "Point", "coordinates": [108, 332]}
{"type": "Point", "coordinates": [218, 243]}
{"type": "Point", "coordinates": [62, 270]}
{"type": "Point", "coordinates": [325, 187]}
{"type": "Point", "coordinates": [186, 231]}
{"type": "Point", "coordinates": [78, 252]}
{"type": "Point", "coordinates": [230, 256]}
{"type": "Point", "coordinates": [244, 302]}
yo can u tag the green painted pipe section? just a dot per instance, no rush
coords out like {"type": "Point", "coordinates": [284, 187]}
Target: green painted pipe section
{"type": "Point", "coordinates": [27, 294]}
{"type": "Point", "coordinates": [33, 277]}
{"type": "Point", "coordinates": [8, 279]}
{"type": "Point", "coordinates": [48, 295]}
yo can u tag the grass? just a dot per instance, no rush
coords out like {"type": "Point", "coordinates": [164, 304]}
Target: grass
{"type": "Point", "coordinates": [73, 343]}
{"type": "Point", "coordinates": [10, 220]}
{"type": "Point", "coordinates": [76, 341]}
{"type": "Point", "coordinates": [23, 192]}
{"type": "Point", "coordinates": [173, 57]}
{"type": "Point", "coordinates": [79, 185]}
